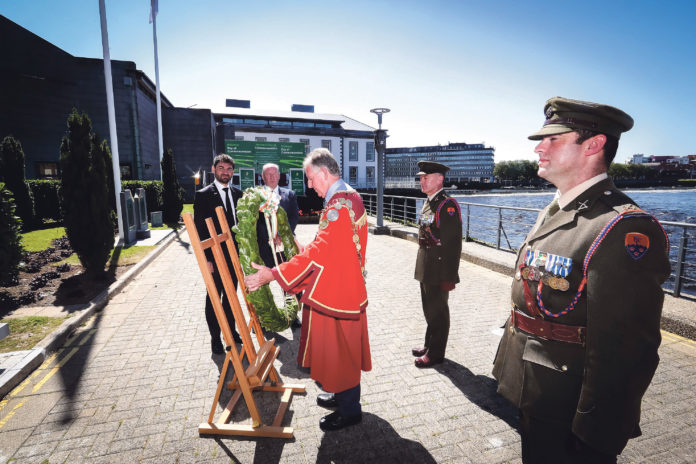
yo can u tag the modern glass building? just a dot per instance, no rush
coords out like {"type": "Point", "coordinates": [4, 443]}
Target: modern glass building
{"type": "Point", "coordinates": [467, 162]}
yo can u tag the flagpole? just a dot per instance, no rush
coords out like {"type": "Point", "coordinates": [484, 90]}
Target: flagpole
{"type": "Point", "coordinates": [115, 163]}
{"type": "Point", "coordinates": [153, 15]}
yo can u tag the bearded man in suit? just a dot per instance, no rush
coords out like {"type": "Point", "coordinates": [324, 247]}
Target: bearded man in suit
{"type": "Point", "coordinates": [219, 193]}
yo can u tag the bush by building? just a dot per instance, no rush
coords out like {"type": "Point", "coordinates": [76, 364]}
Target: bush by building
{"type": "Point", "coordinates": [12, 173]}
{"type": "Point", "coordinates": [46, 199]}
{"type": "Point", "coordinates": [11, 252]}
{"type": "Point", "coordinates": [172, 193]}
{"type": "Point", "coordinates": [153, 192]}
{"type": "Point", "coordinates": [86, 209]}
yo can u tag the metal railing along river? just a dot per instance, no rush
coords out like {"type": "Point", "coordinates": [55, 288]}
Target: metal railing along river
{"type": "Point", "coordinates": [505, 227]}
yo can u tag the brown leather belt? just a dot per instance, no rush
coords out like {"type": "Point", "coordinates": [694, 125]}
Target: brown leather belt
{"type": "Point", "coordinates": [547, 329]}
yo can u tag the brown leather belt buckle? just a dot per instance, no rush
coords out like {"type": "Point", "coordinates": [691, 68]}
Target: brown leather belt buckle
{"type": "Point", "coordinates": [548, 330]}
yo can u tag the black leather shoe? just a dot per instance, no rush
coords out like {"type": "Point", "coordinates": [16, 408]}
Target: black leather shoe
{"type": "Point", "coordinates": [427, 361]}
{"type": "Point", "coordinates": [217, 347]}
{"type": "Point", "coordinates": [327, 400]}
{"type": "Point", "coordinates": [335, 421]}
{"type": "Point", "coordinates": [418, 352]}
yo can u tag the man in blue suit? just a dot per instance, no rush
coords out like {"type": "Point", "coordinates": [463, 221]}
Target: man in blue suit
{"type": "Point", "coordinates": [270, 174]}
{"type": "Point", "coordinates": [288, 201]}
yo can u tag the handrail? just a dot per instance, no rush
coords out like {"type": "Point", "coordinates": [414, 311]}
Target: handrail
{"type": "Point", "coordinates": [513, 222]}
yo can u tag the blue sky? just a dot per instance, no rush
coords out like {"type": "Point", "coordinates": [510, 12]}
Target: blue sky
{"type": "Point", "coordinates": [451, 71]}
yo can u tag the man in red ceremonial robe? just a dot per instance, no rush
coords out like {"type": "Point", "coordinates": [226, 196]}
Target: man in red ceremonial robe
{"type": "Point", "coordinates": [330, 272]}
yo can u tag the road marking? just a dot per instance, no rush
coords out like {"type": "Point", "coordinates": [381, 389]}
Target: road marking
{"type": "Point", "coordinates": [77, 344]}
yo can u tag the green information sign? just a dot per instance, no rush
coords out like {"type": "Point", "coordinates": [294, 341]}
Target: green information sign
{"type": "Point", "coordinates": [254, 155]}
{"type": "Point", "coordinates": [297, 181]}
{"type": "Point", "coordinates": [246, 178]}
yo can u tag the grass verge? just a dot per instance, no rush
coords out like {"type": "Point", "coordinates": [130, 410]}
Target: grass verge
{"type": "Point", "coordinates": [39, 240]}
{"type": "Point", "coordinates": [122, 256]}
{"type": "Point", "coordinates": [26, 332]}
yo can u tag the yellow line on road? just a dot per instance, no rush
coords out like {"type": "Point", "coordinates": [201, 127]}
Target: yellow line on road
{"type": "Point", "coordinates": [48, 375]}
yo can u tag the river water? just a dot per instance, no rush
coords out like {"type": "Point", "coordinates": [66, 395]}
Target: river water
{"type": "Point", "coordinates": [666, 205]}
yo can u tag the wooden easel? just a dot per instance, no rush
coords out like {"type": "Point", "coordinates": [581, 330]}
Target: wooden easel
{"type": "Point", "coordinates": [254, 377]}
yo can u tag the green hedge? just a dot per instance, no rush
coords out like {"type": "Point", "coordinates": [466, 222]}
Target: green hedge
{"type": "Point", "coordinates": [11, 252]}
{"type": "Point", "coordinates": [153, 192]}
{"type": "Point", "coordinates": [46, 199]}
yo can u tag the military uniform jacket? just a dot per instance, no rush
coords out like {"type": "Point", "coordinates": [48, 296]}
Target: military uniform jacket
{"type": "Point", "coordinates": [440, 241]}
{"type": "Point", "coordinates": [596, 387]}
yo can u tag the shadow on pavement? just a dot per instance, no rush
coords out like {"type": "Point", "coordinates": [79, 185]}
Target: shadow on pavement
{"type": "Point", "coordinates": [374, 440]}
{"type": "Point", "coordinates": [480, 390]}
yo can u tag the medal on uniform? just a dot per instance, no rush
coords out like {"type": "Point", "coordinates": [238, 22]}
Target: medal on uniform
{"type": "Point", "coordinates": [563, 284]}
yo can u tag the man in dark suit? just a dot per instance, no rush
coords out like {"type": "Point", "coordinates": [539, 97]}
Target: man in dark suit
{"type": "Point", "coordinates": [288, 201]}
{"type": "Point", "coordinates": [580, 347]}
{"type": "Point", "coordinates": [219, 193]}
{"type": "Point", "coordinates": [437, 263]}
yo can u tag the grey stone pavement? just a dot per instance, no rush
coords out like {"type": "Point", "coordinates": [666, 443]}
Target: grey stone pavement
{"type": "Point", "coordinates": [136, 380]}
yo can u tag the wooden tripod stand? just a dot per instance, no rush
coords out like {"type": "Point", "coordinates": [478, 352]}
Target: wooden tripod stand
{"type": "Point", "coordinates": [260, 369]}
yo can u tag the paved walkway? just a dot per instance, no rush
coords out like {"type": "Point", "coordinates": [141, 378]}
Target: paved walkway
{"type": "Point", "coordinates": [134, 382]}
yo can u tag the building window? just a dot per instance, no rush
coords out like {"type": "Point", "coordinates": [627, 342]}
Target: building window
{"type": "Point", "coordinates": [47, 170]}
{"type": "Point", "coordinates": [306, 145]}
{"type": "Point", "coordinates": [284, 139]}
{"type": "Point", "coordinates": [370, 174]}
{"type": "Point", "coordinates": [370, 151]}
{"type": "Point", "coordinates": [239, 137]}
{"type": "Point", "coordinates": [260, 139]}
{"type": "Point", "coordinates": [353, 174]}
{"type": "Point", "coordinates": [326, 144]}
{"type": "Point", "coordinates": [353, 151]}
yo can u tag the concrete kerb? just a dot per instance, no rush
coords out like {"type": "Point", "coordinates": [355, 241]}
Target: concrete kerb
{"type": "Point", "coordinates": [34, 357]}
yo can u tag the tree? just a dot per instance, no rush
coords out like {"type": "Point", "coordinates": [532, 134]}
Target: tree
{"type": "Point", "coordinates": [86, 209]}
{"type": "Point", "coordinates": [104, 152]}
{"type": "Point", "coordinates": [12, 173]}
{"type": "Point", "coordinates": [172, 193]}
{"type": "Point", "coordinates": [11, 252]}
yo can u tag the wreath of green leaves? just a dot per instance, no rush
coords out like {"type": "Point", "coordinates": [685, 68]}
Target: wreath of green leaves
{"type": "Point", "coordinates": [270, 316]}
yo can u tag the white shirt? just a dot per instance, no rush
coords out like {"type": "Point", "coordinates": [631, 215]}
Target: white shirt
{"type": "Point", "coordinates": [220, 186]}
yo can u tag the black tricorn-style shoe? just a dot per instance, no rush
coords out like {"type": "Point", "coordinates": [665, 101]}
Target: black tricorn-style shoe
{"type": "Point", "coordinates": [335, 421]}
{"type": "Point", "coordinates": [327, 400]}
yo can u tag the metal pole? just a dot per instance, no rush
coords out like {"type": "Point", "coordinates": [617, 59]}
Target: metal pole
{"type": "Point", "coordinates": [159, 99]}
{"type": "Point", "coordinates": [115, 163]}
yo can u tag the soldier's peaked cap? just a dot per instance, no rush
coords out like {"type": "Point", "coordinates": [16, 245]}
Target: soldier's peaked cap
{"type": "Point", "coordinates": [566, 115]}
{"type": "Point", "coordinates": [431, 167]}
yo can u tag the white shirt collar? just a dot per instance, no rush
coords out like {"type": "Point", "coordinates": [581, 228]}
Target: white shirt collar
{"type": "Point", "coordinates": [430, 197]}
{"type": "Point", "coordinates": [567, 198]}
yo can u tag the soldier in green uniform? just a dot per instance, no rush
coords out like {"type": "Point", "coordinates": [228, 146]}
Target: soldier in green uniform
{"type": "Point", "coordinates": [437, 264]}
{"type": "Point", "coordinates": [580, 347]}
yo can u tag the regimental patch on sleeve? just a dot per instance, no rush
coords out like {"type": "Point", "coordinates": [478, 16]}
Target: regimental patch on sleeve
{"type": "Point", "coordinates": [637, 244]}
{"type": "Point", "coordinates": [451, 210]}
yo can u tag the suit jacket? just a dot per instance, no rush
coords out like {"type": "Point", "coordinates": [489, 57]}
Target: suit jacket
{"type": "Point", "coordinates": [288, 201]}
{"type": "Point", "coordinates": [595, 387]}
{"type": "Point", "coordinates": [440, 241]}
{"type": "Point", "coordinates": [205, 201]}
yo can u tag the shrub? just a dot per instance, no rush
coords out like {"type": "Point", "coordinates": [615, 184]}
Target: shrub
{"type": "Point", "coordinates": [172, 193]}
{"type": "Point", "coordinates": [12, 169]}
{"type": "Point", "coordinates": [11, 252]}
{"type": "Point", "coordinates": [46, 199]}
{"type": "Point", "coordinates": [86, 211]}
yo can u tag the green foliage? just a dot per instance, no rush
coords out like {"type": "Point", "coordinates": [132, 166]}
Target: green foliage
{"type": "Point", "coordinates": [520, 170]}
{"type": "Point", "coordinates": [26, 332]}
{"type": "Point", "coordinates": [103, 151]}
{"type": "Point", "coordinates": [172, 193]}
{"type": "Point", "coordinates": [631, 171]}
{"type": "Point", "coordinates": [153, 192]}
{"type": "Point", "coordinates": [86, 211]}
{"type": "Point", "coordinates": [12, 172]}
{"type": "Point", "coordinates": [46, 199]}
{"type": "Point", "coordinates": [270, 316]}
{"type": "Point", "coordinates": [11, 252]}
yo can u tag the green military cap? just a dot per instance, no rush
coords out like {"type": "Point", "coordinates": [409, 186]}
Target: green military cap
{"type": "Point", "coordinates": [431, 167]}
{"type": "Point", "coordinates": [566, 115]}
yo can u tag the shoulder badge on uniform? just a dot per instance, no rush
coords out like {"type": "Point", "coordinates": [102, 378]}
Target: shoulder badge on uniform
{"type": "Point", "coordinates": [637, 244]}
{"type": "Point", "coordinates": [332, 215]}
{"type": "Point", "coordinates": [451, 210]}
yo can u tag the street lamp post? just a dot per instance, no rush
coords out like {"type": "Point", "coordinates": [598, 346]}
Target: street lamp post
{"type": "Point", "coordinates": [380, 145]}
